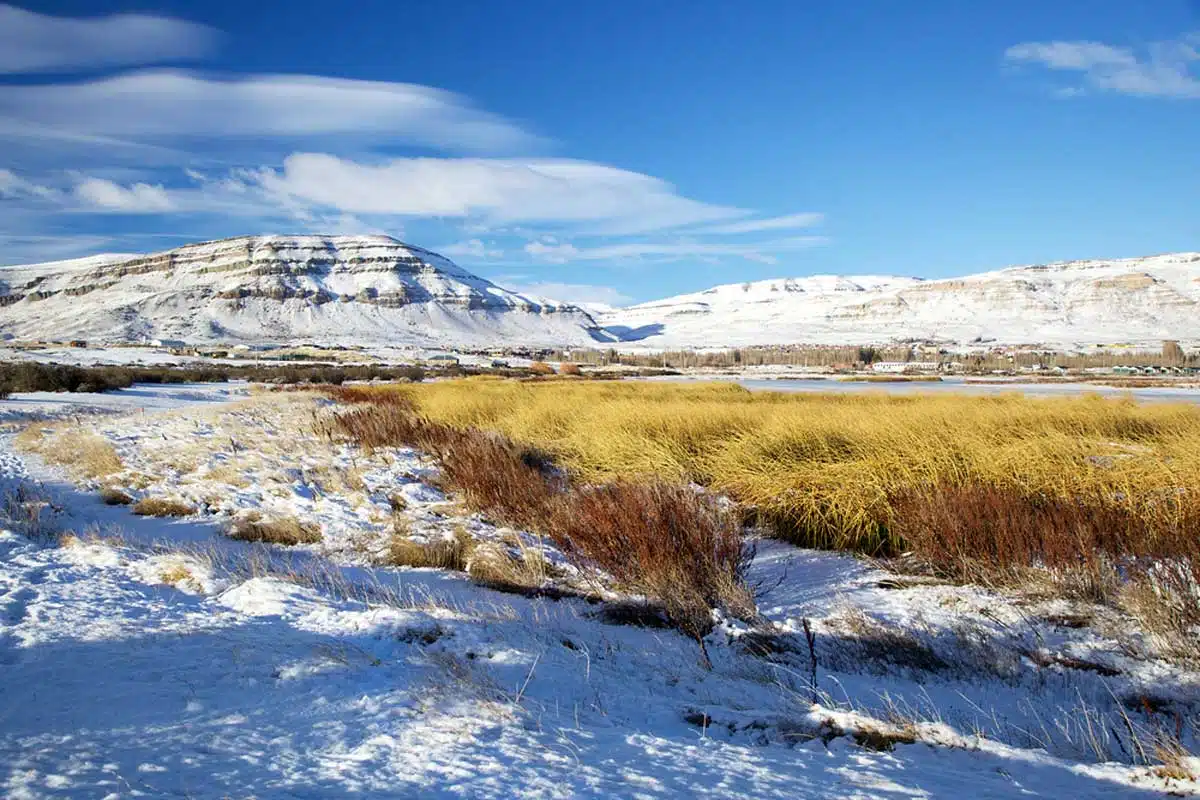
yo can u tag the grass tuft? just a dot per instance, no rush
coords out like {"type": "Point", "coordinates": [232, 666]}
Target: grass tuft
{"type": "Point", "coordinates": [112, 496]}
{"type": "Point", "coordinates": [160, 507]}
{"type": "Point", "coordinates": [287, 531]}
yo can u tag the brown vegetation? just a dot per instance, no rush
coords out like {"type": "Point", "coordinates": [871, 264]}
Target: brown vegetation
{"type": "Point", "coordinates": [287, 531]}
{"type": "Point", "coordinates": [111, 496]}
{"type": "Point", "coordinates": [161, 507]}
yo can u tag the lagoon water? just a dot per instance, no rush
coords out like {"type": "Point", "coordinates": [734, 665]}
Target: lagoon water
{"type": "Point", "coordinates": [956, 385]}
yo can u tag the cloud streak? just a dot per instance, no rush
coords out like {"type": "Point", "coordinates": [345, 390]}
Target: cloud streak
{"type": "Point", "coordinates": [153, 105]}
{"type": "Point", "coordinates": [764, 252]}
{"type": "Point", "coordinates": [806, 219]}
{"type": "Point", "coordinates": [1167, 69]}
{"type": "Point", "coordinates": [573, 292]}
{"type": "Point", "coordinates": [499, 190]}
{"type": "Point", "coordinates": [39, 43]}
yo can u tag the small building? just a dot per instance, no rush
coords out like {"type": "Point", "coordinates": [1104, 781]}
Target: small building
{"type": "Point", "coordinates": [169, 344]}
{"type": "Point", "coordinates": [443, 358]}
{"type": "Point", "coordinates": [77, 343]}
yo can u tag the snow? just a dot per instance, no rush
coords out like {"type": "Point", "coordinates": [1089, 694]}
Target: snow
{"type": "Point", "coordinates": [24, 406]}
{"type": "Point", "coordinates": [1138, 301]}
{"type": "Point", "coordinates": [169, 660]}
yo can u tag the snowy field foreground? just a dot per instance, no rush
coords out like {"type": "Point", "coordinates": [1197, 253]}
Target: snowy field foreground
{"type": "Point", "coordinates": [151, 657]}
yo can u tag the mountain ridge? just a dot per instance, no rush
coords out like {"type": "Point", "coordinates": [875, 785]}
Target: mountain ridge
{"type": "Point", "coordinates": [377, 290]}
{"type": "Point", "coordinates": [370, 289]}
{"type": "Point", "coordinates": [1066, 303]}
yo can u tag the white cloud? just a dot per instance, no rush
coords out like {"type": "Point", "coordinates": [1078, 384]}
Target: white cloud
{"type": "Point", "coordinates": [139, 198]}
{"type": "Point", "coordinates": [760, 251]}
{"type": "Point", "coordinates": [32, 42]}
{"type": "Point", "coordinates": [1167, 70]}
{"type": "Point", "coordinates": [500, 190]}
{"type": "Point", "coordinates": [472, 248]}
{"type": "Point", "coordinates": [156, 104]}
{"type": "Point", "coordinates": [573, 292]}
{"type": "Point", "coordinates": [14, 186]}
{"type": "Point", "coordinates": [806, 219]}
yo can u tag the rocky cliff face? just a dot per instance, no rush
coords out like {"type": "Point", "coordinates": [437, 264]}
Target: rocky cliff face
{"type": "Point", "coordinates": [329, 289]}
{"type": "Point", "coordinates": [1139, 301]}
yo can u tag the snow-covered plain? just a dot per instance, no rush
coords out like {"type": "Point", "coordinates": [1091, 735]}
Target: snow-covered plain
{"type": "Point", "coordinates": [147, 657]}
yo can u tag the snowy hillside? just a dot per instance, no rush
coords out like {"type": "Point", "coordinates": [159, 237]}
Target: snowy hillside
{"type": "Point", "coordinates": [329, 289]}
{"type": "Point", "coordinates": [1141, 300]}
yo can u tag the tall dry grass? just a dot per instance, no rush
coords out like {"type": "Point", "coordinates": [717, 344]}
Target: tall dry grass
{"type": "Point", "coordinates": [827, 470]}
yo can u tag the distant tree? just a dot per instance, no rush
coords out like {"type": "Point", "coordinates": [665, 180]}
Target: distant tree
{"type": "Point", "coordinates": [1172, 353]}
{"type": "Point", "coordinates": [868, 355]}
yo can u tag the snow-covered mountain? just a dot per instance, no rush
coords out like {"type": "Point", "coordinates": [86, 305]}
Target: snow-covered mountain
{"type": "Point", "coordinates": [325, 289]}
{"type": "Point", "coordinates": [1138, 300]}
{"type": "Point", "coordinates": [375, 290]}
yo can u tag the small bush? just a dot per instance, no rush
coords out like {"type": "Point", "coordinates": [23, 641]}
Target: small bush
{"type": "Point", "coordinates": [540, 368]}
{"type": "Point", "coordinates": [286, 531]}
{"type": "Point", "coordinates": [449, 554]}
{"type": "Point", "coordinates": [569, 368]}
{"type": "Point", "coordinates": [159, 507]}
{"type": "Point", "coordinates": [114, 497]}
{"type": "Point", "coordinates": [667, 542]}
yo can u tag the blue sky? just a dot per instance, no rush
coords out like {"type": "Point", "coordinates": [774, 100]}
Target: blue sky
{"type": "Point", "coordinates": [614, 152]}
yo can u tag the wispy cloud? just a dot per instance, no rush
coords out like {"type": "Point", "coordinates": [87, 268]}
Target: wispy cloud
{"type": "Point", "coordinates": [32, 42]}
{"type": "Point", "coordinates": [161, 104]}
{"type": "Point", "coordinates": [472, 248]}
{"type": "Point", "coordinates": [1166, 69]}
{"type": "Point", "coordinates": [765, 252]}
{"type": "Point", "coordinates": [572, 292]}
{"type": "Point", "coordinates": [500, 190]}
{"type": "Point", "coordinates": [807, 219]}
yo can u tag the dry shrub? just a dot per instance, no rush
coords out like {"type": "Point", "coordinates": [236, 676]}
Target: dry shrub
{"type": "Point", "coordinates": [449, 554]}
{"type": "Point", "coordinates": [111, 496]}
{"type": "Point", "coordinates": [541, 368]}
{"type": "Point", "coordinates": [513, 484]}
{"type": "Point", "coordinates": [1165, 599]}
{"type": "Point", "coordinates": [667, 542]}
{"type": "Point", "coordinates": [161, 507]}
{"type": "Point", "coordinates": [493, 565]}
{"type": "Point", "coordinates": [288, 531]}
{"type": "Point", "coordinates": [973, 532]}
{"type": "Point", "coordinates": [983, 533]}
{"type": "Point", "coordinates": [569, 368]}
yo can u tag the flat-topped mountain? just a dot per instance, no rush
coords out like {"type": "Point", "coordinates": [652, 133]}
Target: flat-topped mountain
{"type": "Point", "coordinates": [326, 289]}
{"type": "Point", "coordinates": [1137, 300]}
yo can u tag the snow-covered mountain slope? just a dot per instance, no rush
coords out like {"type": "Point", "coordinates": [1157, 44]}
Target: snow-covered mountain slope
{"type": "Point", "coordinates": [326, 289]}
{"type": "Point", "coordinates": [1140, 300]}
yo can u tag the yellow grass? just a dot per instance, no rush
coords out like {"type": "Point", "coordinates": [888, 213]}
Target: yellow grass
{"type": "Point", "coordinates": [821, 467]}
{"type": "Point", "coordinates": [82, 452]}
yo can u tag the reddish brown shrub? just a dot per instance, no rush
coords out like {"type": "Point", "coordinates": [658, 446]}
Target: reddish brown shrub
{"type": "Point", "coordinates": [541, 368]}
{"type": "Point", "coordinates": [568, 368]}
{"type": "Point", "coordinates": [667, 542]}
{"type": "Point", "coordinates": [979, 532]}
